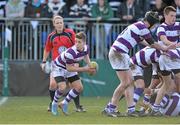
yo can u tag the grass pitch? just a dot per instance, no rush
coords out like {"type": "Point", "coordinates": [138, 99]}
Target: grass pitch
{"type": "Point", "coordinates": [33, 110]}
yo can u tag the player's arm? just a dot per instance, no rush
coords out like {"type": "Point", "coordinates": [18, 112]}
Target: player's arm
{"type": "Point", "coordinates": [164, 39]}
{"type": "Point", "coordinates": [73, 68]}
{"type": "Point", "coordinates": [161, 32]}
{"type": "Point", "coordinates": [46, 52]}
{"type": "Point", "coordinates": [45, 55]}
{"type": "Point", "coordinates": [152, 43]}
{"type": "Point", "coordinates": [87, 60]}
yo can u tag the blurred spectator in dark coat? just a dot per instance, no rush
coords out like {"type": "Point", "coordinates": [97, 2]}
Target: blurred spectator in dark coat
{"type": "Point", "coordinates": [159, 7]}
{"type": "Point", "coordinates": [34, 9]}
{"type": "Point", "coordinates": [144, 6]}
{"type": "Point", "coordinates": [129, 12]}
{"type": "Point", "coordinates": [177, 2]}
{"type": "Point", "coordinates": [80, 10]}
{"type": "Point", "coordinates": [169, 2]}
{"type": "Point", "coordinates": [69, 3]}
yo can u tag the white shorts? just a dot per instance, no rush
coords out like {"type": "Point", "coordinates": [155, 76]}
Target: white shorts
{"type": "Point", "coordinates": [58, 71]}
{"type": "Point", "coordinates": [139, 71]}
{"type": "Point", "coordinates": [119, 61]}
{"type": "Point", "coordinates": [168, 64]}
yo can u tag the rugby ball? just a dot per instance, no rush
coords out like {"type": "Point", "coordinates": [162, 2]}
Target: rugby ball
{"type": "Point", "coordinates": [94, 65]}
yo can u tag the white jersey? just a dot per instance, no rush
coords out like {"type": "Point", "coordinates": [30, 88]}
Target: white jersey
{"type": "Point", "coordinates": [172, 106]}
{"type": "Point", "coordinates": [71, 56]}
{"type": "Point", "coordinates": [146, 57]}
{"type": "Point", "coordinates": [132, 35]}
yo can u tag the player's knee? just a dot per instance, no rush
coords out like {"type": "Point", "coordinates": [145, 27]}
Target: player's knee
{"type": "Point", "coordinates": [79, 88]}
{"type": "Point", "coordinates": [52, 86]}
{"type": "Point", "coordinates": [141, 85]}
{"type": "Point", "coordinates": [125, 85]}
{"type": "Point", "coordinates": [165, 73]}
{"type": "Point", "coordinates": [129, 81]}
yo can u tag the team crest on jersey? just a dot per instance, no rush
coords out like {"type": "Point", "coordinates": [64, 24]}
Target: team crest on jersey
{"type": "Point", "coordinates": [61, 49]}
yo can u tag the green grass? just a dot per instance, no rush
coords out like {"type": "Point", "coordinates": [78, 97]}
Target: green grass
{"type": "Point", "coordinates": [33, 110]}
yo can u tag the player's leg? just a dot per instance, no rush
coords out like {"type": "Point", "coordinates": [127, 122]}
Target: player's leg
{"type": "Point", "coordinates": [120, 63]}
{"type": "Point", "coordinates": [177, 79]}
{"type": "Point", "coordinates": [111, 108]}
{"type": "Point", "coordinates": [76, 89]}
{"type": "Point", "coordinates": [139, 89]}
{"type": "Point", "coordinates": [58, 93]}
{"type": "Point", "coordinates": [162, 91]}
{"type": "Point", "coordinates": [52, 89]}
{"type": "Point", "coordinates": [155, 82]}
{"type": "Point", "coordinates": [166, 65]}
{"type": "Point", "coordinates": [137, 73]}
{"type": "Point", "coordinates": [129, 92]}
{"type": "Point", "coordinates": [79, 107]}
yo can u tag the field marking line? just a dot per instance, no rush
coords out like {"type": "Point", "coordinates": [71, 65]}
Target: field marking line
{"type": "Point", "coordinates": [93, 81]}
{"type": "Point", "coordinates": [3, 100]}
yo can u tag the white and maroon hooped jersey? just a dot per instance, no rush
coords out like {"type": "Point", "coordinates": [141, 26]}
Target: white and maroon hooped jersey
{"type": "Point", "coordinates": [145, 57]}
{"type": "Point", "coordinates": [172, 107]}
{"type": "Point", "coordinates": [132, 35]}
{"type": "Point", "coordinates": [71, 56]}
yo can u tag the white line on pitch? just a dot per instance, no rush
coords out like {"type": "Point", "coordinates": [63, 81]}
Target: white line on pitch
{"type": "Point", "coordinates": [3, 100]}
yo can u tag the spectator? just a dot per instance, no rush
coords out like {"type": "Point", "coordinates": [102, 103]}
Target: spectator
{"type": "Point", "coordinates": [144, 6]}
{"type": "Point", "coordinates": [57, 7]}
{"type": "Point", "coordinates": [2, 8]}
{"type": "Point", "coordinates": [169, 2]}
{"type": "Point", "coordinates": [92, 2]}
{"type": "Point", "coordinates": [34, 9]}
{"type": "Point", "coordinates": [177, 2]}
{"type": "Point", "coordinates": [114, 5]}
{"type": "Point", "coordinates": [80, 10]}
{"type": "Point", "coordinates": [15, 8]}
{"type": "Point", "coordinates": [69, 3]}
{"type": "Point", "coordinates": [102, 10]}
{"type": "Point", "coordinates": [128, 11]}
{"type": "Point", "coordinates": [159, 7]}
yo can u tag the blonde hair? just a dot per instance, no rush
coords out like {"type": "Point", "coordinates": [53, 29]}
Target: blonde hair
{"type": "Point", "coordinates": [56, 17]}
{"type": "Point", "coordinates": [168, 9]}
